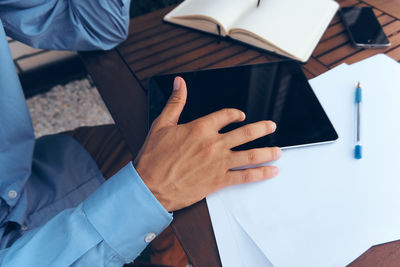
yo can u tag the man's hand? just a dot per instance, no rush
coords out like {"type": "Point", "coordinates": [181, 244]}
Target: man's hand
{"type": "Point", "coordinates": [182, 164]}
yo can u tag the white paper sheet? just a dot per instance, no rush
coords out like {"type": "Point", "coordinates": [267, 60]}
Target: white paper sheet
{"type": "Point", "coordinates": [224, 231]}
{"type": "Point", "coordinates": [326, 208]}
{"type": "Point", "coordinates": [236, 248]}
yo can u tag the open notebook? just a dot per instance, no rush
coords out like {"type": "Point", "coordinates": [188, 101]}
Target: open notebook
{"type": "Point", "coordinates": [288, 27]}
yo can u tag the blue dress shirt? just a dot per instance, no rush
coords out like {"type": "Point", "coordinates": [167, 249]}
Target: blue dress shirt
{"type": "Point", "coordinates": [55, 209]}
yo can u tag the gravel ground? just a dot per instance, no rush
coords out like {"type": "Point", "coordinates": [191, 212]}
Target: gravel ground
{"type": "Point", "coordinates": [67, 107]}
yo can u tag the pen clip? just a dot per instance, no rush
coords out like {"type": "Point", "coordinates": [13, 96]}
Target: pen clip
{"type": "Point", "coordinates": [258, 3]}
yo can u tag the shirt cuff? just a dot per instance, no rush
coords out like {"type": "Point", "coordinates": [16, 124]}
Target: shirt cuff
{"type": "Point", "coordinates": [126, 214]}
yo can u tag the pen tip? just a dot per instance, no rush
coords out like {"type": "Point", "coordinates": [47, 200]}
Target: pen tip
{"type": "Point", "coordinates": [358, 85]}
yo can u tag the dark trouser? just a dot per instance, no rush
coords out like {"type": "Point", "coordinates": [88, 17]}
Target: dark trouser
{"type": "Point", "coordinates": [109, 151]}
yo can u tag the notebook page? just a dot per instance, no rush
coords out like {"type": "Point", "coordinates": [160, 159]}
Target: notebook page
{"type": "Point", "coordinates": [225, 12]}
{"type": "Point", "coordinates": [293, 26]}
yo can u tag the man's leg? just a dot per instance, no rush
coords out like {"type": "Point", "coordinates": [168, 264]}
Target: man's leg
{"type": "Point", "coordinates": [109, 151]}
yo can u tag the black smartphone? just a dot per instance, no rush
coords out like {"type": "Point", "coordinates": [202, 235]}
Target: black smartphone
{"type": "Point", "coordinates": [363, 27]}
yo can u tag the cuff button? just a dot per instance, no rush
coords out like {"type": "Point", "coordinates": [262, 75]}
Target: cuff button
{"type": "Point", "coordinates": [12, 194]}
{"type": "Point", "coordinates": [149, 237]}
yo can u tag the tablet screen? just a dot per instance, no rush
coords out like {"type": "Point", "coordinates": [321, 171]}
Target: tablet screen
{"type": "Point", "coordinates": [276, 91]}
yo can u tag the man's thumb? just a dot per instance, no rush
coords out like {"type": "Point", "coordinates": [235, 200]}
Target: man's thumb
{"type": "Point", "coordinates": [170, 115]}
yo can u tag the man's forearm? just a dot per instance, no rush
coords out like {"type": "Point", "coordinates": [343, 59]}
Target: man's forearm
{"type": "Point", "coordinates": [112, 227]}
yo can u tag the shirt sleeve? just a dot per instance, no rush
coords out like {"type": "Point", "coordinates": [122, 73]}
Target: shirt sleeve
{"type": "Point", "coordinates": [109, 228]}
{"type": "Point", "coordinates": [67, 24]}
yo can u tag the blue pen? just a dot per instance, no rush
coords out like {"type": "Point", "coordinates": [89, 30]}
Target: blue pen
{"type": "Point", "coordinates": [358, 147]}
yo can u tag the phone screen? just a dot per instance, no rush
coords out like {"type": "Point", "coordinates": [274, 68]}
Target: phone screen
{"type": "Point", "coordinates": [364, 27]}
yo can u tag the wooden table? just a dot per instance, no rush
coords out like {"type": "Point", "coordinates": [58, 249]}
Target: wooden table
{"type": "Point", "coordinates": [155, 47]}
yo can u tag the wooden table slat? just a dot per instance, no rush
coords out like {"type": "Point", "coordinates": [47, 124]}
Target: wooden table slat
{"type": "Point", "coordinates": [315, 67]}
{"type": "Point", "coordinates": [166, 33]}
{"type": "Point", "coordinates": [331, 44]}
{"type": "Point", "coordinates": [308, 74]}
{"type": "Point", "coordinates": [338, 54]}
{"type": "Point", "coordinates": [210, 59]}
{"type": "Point", "coordinates": [258, 60]}
{"type": "Point", "coordinates": [385, 19]}
{"type": "Point", "coordinates": [169, 55]}
{"type": "Point", "coordinates": [238, 59]}
{"type": "Point", "coordinates": [394, 39]}
{"type": "Point", "coordinates": [182, 59]}
{"type": "Point", "coordinates": [377, 12]}
{"type": "Point", "coordinates": [132, 55]}
{"type": "Point", "coordinates": [144, 35]}
{"type": "Point", "coordinates": [332, 31]}
{"type": "Point", "coordinates": [395, 53]}
{"type": "Point", "coordinates": [392, 28]}
{"type": "Point", "coordinates": [358, 56]}
{"type": "Point", "coordinates": [186, 225]}
{"type": "Point", "coordinates": [335, 20]}
{"type": "Point", "coordinates": [389, 6]}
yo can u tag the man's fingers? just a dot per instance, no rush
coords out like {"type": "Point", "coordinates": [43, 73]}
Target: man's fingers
{"type": "Point", "coordinates": [252, 175]}
{"type": "Point", "coordinates": [221, 118]}
{"type": "Point", "coordinates": [171, 112]}
{"type": "Point", "coordinates": [249, 133]}
{"type": "Point", "coordinates": [254, 156]}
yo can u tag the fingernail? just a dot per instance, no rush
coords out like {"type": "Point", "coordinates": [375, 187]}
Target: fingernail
{"type": "Point", "coordinates": [278, 152]}
{"type": "Point", "coordinates": [177, 83]}
{"type": "Point", "coordinates": [275, 171]}
{"type": "Point", "coordinates": [244, 115]}
{"type": "Point", "coordinates": [272, 126]}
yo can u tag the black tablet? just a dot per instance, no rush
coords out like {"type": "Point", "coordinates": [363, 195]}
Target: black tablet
{"type": "Point", "coordinates": [277, 91]}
